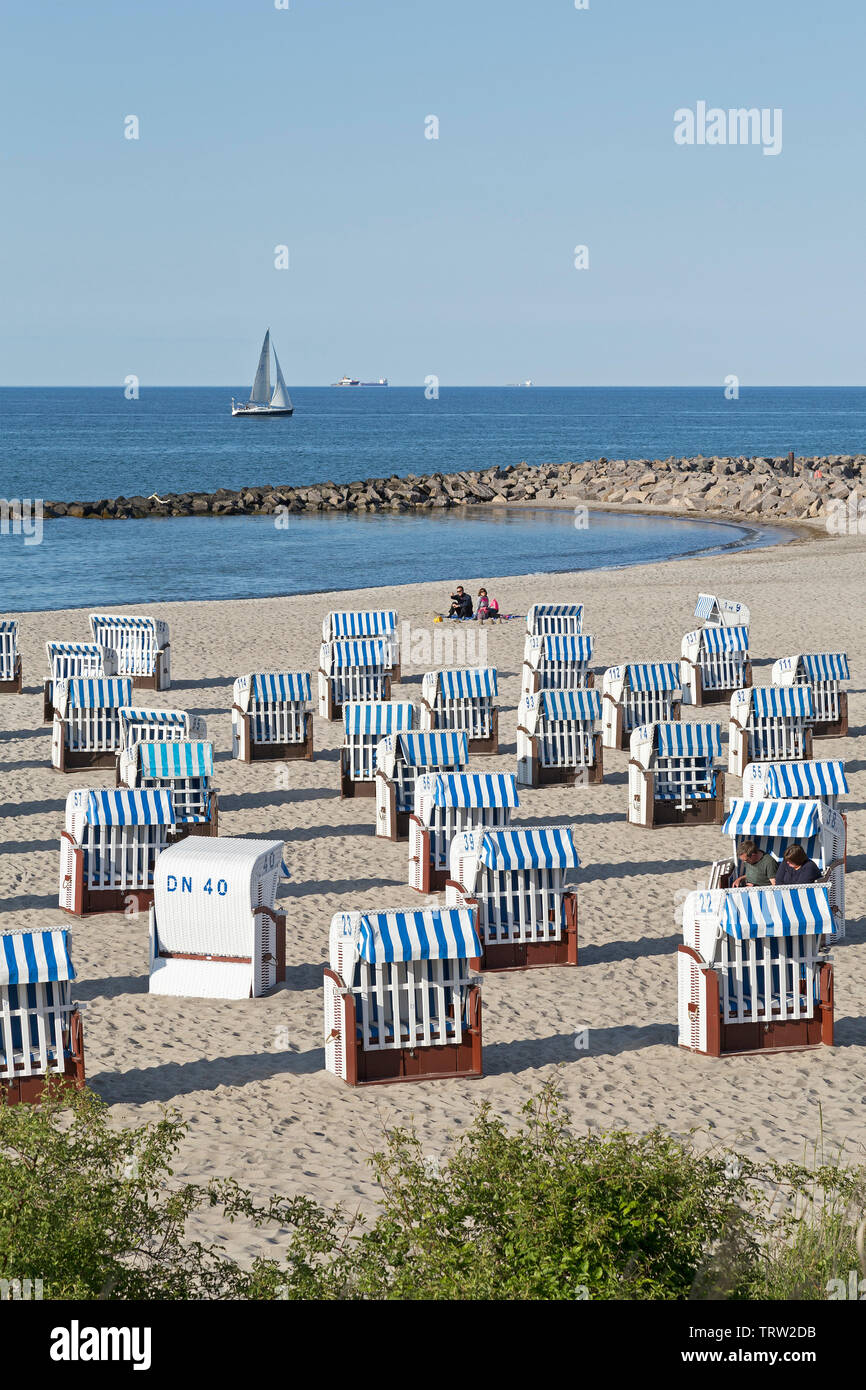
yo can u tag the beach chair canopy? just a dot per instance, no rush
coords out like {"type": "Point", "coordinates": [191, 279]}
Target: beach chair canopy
{"type": "Point", "coordinates": [812, 666]}
{"type": "Point", "coordinates": [8, 627]}
{"type": "Point", "coordinates": [207, 891]}
{"type": "Point", "coordinates": [281, 686]}
{"type": "Point", "coordinates": [564, 705]}
{"type": "Point", "coordinates": [346, 655]}
{"type": "Point", "coordinates": [688, 740]}
{"type": "Point", "coordinates": [153, 717]}
{"type": "Point", "coordinates": [553, 610]}
{"type": "Point", "coordinates": [86, 656]}
{"type": "Point", "coordinates": [143, 806]}
{"type": "Point", "coordinates": [368, 622]}
{"type": "Point", "coordinates": [34, 958]}
{"type": "Point", "coordinates": [377, 717]}
{"type": "Point", "coordinates": [425, 934]}
{"type": "Point", "coordinates": [798, 819]}
{"type": "Point", "coordinates": [750, 913]}
{"type": "Point", "coordinates": [551, 847]}
{"type": "Point", "coordinates": [468, 684]}
{"type": "Point", "coordinates": [568, 648]}
{"type": "Point", "coordinates": [437, 748]}
{"type": "Point", "coordinates": [722, 611]}
{"type": "Point", "coordinates": [806, 779]}
{"type": "Point", "coordinates": [719, 640]}
{"type": "Point", "coordinates": [182, 758]}
{"type": "Point", "coordinates": [777, 702]}
{"type": "Point", "coordinates": [475, 789]}
{"type": "Point", "coordinates": [92, 694]}
{"type": "Point", "coordinates": [657, 675]}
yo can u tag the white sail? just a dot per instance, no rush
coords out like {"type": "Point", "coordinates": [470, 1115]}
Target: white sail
{"type": "Point", "coordinates": [281, 396]}
{"type": "Point", "coordinates": [261, 392]}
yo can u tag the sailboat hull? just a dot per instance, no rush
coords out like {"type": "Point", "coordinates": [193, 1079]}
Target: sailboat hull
{"type": "Point", "coordinates": [262, 410]}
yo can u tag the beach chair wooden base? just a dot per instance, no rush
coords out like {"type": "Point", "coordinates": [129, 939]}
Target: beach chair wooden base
{"type": "Point", "coordinates": [274, 752]}
{"type": "Point", "coordinates": [383, 1065]}
{"type": "Point", "coordinates": [48, 702]}
{"type": "Point", "coordinates": [530, 955]}
{"type": "Point", "coordinates": [486, 745]}
{"type": "Point", "coordinates": [28, 1090]}
{"type": "Point", "coordinates": [834, 728]}
{"type": "Point", "coordinates": [707, 811]}
{"type": "Point", "coordinates": [78, 759]}
{"type": "Point", "coordinates": [348, 786]}
{"type": "Point", "coordinates": [15, 686]}
{"type": "Point", "coordinates": [739, 1039]}
{"type": "Point", "coordinates": [95, 902]}
{"type": "Point", "coordinates": [424, 877]}
{"type": "Point", "coordinates": [206, 828]}
{"type": "Point", "coordinates": [534, 684]}
{"type": "Point", "coordinates": [721, 695]}
{"type": "Point", "coordinates": [158, 680]}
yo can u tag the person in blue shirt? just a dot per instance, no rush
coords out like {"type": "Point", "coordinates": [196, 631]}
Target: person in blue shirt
{"type": "Point", "coordinates": [796, 868]}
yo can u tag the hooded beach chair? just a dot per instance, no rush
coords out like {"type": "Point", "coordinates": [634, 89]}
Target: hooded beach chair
{"type": "Point", "coordinates": [10, 659]}
{"type": "Point", "coordinates": [556, 738]}
{"type": "Point", "coordinates": [353, 671]}
{"type": "Point", "coordinates": [769, 723]}
{"type": "Point", "coordinates": [638, 693]}
{"type": "Point", "coordinates": [715, 662]}
{"type": "Point", "coordinates": [379, 623]}
{"type": "Point", "coordinates": [109, 848]}
{"type": "Point", "coordinates": [272, 716]}
{"type": "Point", "coordinates": [557, 663]}
{"type": "Point", "coordinates": [463, 699]}
{"type": "Point", "coordinates": [158, 726]}
{"type": "Point", "coordinates": [400, 758]}
{"type": "Point", "coordinates": [72, 661]}
{"type": "Point", "coordinates": [817, 780]}
{"type": "Point", "coordinates": [40, 1027]}
{"type": "Point", "coordinates": [85, 731]}
{"type": "Point", "coordinates": [364, 726]}
{"type": "Point", "coordinates": [554, 619]}
{"type": "Point", "coordinates": [401, 1002]}
{"type": "Point", "coordinates": [823, 673]}
{"type": "Point", "coordinates": [518, 882]}
{"type": "Point", "coordinates": [721, 612]}
{"type": "Point", "coordinates": [214, 929]}
{"type": "Point", "coordinates": [447, 803]}
{"type": "Point", "coordinates": [672, 777]}
{"type": "Point", "coordinates": [754, 972]}
{"type": "Point", "coordinates": [184, 769]}
{"type": "Point", "coordinates": [142, 646]}
{"type": "Point", "coordinates": [774, 825]}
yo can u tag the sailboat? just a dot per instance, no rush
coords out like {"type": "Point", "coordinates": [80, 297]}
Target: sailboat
{"type": "Point", "coordinates": [262, 400]}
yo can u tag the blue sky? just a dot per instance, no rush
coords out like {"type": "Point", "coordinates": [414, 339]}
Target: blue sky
{"type": "Point", "coordinates": [409, 256]}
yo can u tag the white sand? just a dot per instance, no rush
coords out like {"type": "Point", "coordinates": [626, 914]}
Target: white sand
{"type": "Point", "coordinates": [274, 1118]}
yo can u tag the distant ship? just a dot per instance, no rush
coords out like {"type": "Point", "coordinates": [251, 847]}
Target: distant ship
{"type": "Point", "coordinates": [353, 381]}
{"type": "Point", "coordinates": [518, 383]}
{"type": "Point", "coordinates": [262, 400]}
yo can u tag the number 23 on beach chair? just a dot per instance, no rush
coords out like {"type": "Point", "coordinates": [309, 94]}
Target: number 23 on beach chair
{"type": "Point", "coordinates": [556, 738]}
{"type": "Point", "coordinates": [769, 723]}
{"type": "Point", "coordinates": [465, 700]}
{"type": "Point", "coordinates": [638, 693]}
{"type": "Point", "coordinates": [272, 717]}
{"type": "Point", "coordinates": [672, 777]}
{"type": "Point", "coordinates": [10, 660]}
{"type": "Point", "coordinates": [40, 1026]}
{"type": "Point", "coordinates": [823, 673]}
{"type": "Point", "coordinates": [447, 803]}
{"type": "Point", "coordinates": [142, 646]}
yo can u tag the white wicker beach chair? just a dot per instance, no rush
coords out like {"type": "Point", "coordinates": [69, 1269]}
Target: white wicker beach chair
{"type": "Point", "coordinates": [214, 929]}
{"type": "Point", "coordinates": [10, 659]}
{"type": "Point", "coordinates": [715, 662]}
{"type": "Point", "coordinates": [638, 693]}
{"type": "Point", "coordinates": [400, 758]}
{"type": "Point", "coordinates": [352, 672]}
{"type": "Point", "coordinates": [272, 716]}
{"type": "Point", "coordinates": [85, 732]}
{"type": "Point", "coordinates": [109, 848]}
{"type": "Point", "coordinates": [823, 673]}
{"type": "Point", "coordinates": [142, 646]}
{"type": "Point", "coordinates": [463, 699]}
{"type": "Point", "coordinates": [769, 723]}
{"type": "Point", "coordinates": [721, 612]}
{"type": "Point", "coordinates": [554, 619]}
{"type": "Point", "coordinates": [40, 1026]}
{"type": "Point", "coordinates": [401, 1003]}
{"type": "Point", "coordinates": [557, 740]}
{"type": "Point", "coordinates": [183, 768]}
{"type": "Point", "coordinates": [672, 776]}
{"type": "Point", "coordinates": [519, 882]}
{"type": "Point", "coordinates": [754, 972]}
{"type": "Point", "coordinates": [74, 661]}
{"type": "Point", "coordinates": [447, 803]}
{"type": "Point", "coordinates": [557, 663]}
{"type": "Point", "coordinates": [364, 726]}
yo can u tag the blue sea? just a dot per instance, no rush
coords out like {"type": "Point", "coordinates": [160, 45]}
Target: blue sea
{"type": "Point", "coordinates": [89, 443]}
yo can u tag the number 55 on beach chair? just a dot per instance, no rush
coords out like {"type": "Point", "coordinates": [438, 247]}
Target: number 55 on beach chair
{"type": "Point", "coordinates": [769, 723]}
{"type": "Point", "coordinates": [400, 758]}
{"type": "Point", "coordinates": [672, 777]}
{"type": "Point", "coordinates": [142, 646]}
{"type": "Point", "coordinates": [556, 738]}
{"type": "Point", "coordinates": [823, 673]}
{"type": "Point", "coordinates": [464, 700]}
{"type": "Point", "coordinates": [72, 661]}
{"type": "Point", "coordinates": [401, 1000]}
{"type": "Point", "coordinates": [446, 804]}
{"type": "Point", "coordinates": [638, 693]}
{"type": "Point", "coordinates": [10, 660]}
{"type": "Point", "coordinates": [272, 717]}
{"type": "Point", "coordinates": [40, 1027]}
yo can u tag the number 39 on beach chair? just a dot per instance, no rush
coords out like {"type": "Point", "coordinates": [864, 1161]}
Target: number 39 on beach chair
{"type": "Point", "coordinates": [74, 661]}
{"type": "Point", "coordinates": [557, 663]}
{"type": "Point", "coordinates": [10, 660]}
{"type": "Point", "coordinates": [214, 929]}
{"type": "Point", "coordinates": [769, 723]}
{"type": "Point", "coordinates": [353, 671]}
{"type": "Point", "coordinates": [400, 758]}
{"type": "Point", "coordinates": [823, 673]}
{"type": "Point", "coordinates": [556, 738]}
{"type": "Point", "coordinates": [185, 769]}
{"type": "Point", "coordinates": [367, 622]}
{"type": "Point", "coordinates": [516, 880]}
{"type": "Point", "coordinates": [401, 1002]}
{"type": "Point", "coordinates": [142, 646]}
{"type": "Point", "coordinates": [40, 1027]}
{"type": "Point", "coordinates": [638, 693]}
{"type": "Point", "coordinates": [754, 974]}
{"type": "Point", "coordinates": [109, 848]}
{"type": "Point", "coordinates": [86, 730]}
{"type": "Point", "coordinates": [463, 699]}
{"type": "Point", "coordinates": [447, 803]}
{"type": "Point", "coordinates": [272, 717]}
{"type": "Point", "coordinates": [715, 663]}
{"type": "Point", "coordinates": [554, 619]}
{"type": "Point", "coordinates": [672, 777]}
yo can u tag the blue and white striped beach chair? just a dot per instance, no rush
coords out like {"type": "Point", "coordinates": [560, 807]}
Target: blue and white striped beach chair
{"type": "Point", "coordinates": [557, 663]}
{"type": "Point", "coordinates": [185, 769]}
{"type": "Point", "coordinates": [401, 1003]}
{"type": "Point", "coordinates": [715, 662]}
{"type": "Point", "coordinates": [823, 673]}
{"type": "Point", "coordinates": [775, 825]}
{"type": "Point", "coordinates": [400, 758]}
{"type": "Point", "coordinates": [817, 780]}
{"type": "Point", "coordinates": [10, 659]}
{"type": "Point", "coordinates": [40, 1026]}
{"type": "Point", "coordinates": [272, 716]}
{"type": "Point", "coordinates": [85, 731]}
{"type": "Point", "coordinates": [109, 848]}
{"type": "Point", "coordinates": [769, 723]}
{"type": "Point", "coordinates": [364, 727]}
{"type": "Point", "coordinates": [73, 661]}
{"type": "Point", "coordinates": [754, 973]}
{"type": "Point", "coordinates": [463, 699]}
{"type": "Point", "coordinates": [554, 619]}
{"type": "Point", "coordinates": [521, 882]}
{"type": "Point", "coordinates": [557, 739]}
{"type": "Point", "coordinates": [353, 671]}
{"type": "Point", "coordinates": [379, 623]}
{"type": "Point", "coordinates": [142, 646]}
{"type": "Point", "coordinates": [447, 803]}
{"type": "Point", "coordinates": [641, 692]}
{"type": "Point", "coordinates": [672, 776]}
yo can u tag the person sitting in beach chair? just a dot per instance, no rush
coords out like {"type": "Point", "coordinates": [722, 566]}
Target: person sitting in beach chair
{"type": "Point", "coordinates": [461, 604]}
{"type": "Point", "coordinates": [759, 868]}
{"type": "Point", "coordinates": [796, 867]}
{"type": "Point", "coordinates": [488, 608]}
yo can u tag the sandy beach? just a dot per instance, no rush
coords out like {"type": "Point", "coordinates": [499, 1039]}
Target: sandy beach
{"type": "Point", "coordinates": [249, 1077]}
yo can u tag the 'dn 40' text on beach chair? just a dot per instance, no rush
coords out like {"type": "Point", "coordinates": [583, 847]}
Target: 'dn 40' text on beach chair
{"type": "Point", "coordinates": [400, 758]}
{"type": "Point", "coordinates": [721, 612]}
{"type": "Point", "coordinates": [364, 726]}
{"type": "Point", "coordinates": [775, 825]}
{"type": "Point", "coordinates": [715, 663]}
{"type": "Point", "coordinates": [353, 671]}
{"type": "Point", "coordinates": [447, 803]}
{"type": "Point", "coordinates": [40, 1027]}
{"type": "Point", "coordinates": [754, 973]}
{"type": "Point", "coordinates": [377, 623]}
{"type": "Point", "coordinates": [463, 699]}
{"type": "Point", "coordinates": [72, 661]}
{"type": "Point", "coordinates": [769, 723]}
{"type": "Point", "coordinates": [638, 693]}
{"type": "Point", "coordinates": [556, 738]}
{"type": "Point", "coordinates": [557, 663]}
{"type": "Point", "coordinates": [109, 848]}
{"type": "Point", "coordinates": [816, 780]}
{"type": "Point", "coordinates": [401, 1001]}
{"type": "Point", "coordinates": [823, 673]}
{"type": "Point", "coordinates": [272, 716]}
{"type": "Point", "coordinates": [214, 929]}
{"type": "Point", "coordinates": [85, 732]}
{"type": "Point", "coordinates": [142, 646]}
{"type": "Point", "coordinates": [559, 619]}
{"type": "Point", "coordinates": [672, 777]}
{"type": "Point", "coordinates": [10, 658]}
{"type": "Point", "coordinates": [183, 768]}
{"type": "Point", "coordinates": [516, 880]}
